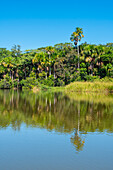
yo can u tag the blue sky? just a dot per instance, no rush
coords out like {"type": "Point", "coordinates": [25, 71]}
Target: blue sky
{"type": "Point", "coordinates": [34, 24]}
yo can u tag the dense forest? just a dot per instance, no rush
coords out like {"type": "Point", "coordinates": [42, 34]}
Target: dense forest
{"type": "Point", "coordinates": [55, 66]}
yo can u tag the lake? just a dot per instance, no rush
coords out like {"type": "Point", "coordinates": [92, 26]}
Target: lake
{"type": "Point", "coordinates": [55, 131]}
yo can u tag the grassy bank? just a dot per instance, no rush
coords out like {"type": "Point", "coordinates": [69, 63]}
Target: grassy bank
{"type": "Point", "coordinates": [44, 88]}
{"type": "Point", "coordinates": [97, 86]}
{"type": "Point", "coordinates": [100, 87]}
{"type": "Point", "coordinates": [81, 87]}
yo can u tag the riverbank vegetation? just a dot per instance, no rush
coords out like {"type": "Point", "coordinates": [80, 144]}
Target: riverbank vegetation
{"type": "Point", "coordinates": [97, 86]}
{"type": "Point", "coordinates": [57, 66]}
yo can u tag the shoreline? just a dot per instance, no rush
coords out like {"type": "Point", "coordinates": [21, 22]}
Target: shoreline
{"type": "Point", "coordinates": [78, 87]}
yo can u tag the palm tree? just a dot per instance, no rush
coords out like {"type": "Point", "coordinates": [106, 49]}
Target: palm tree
{"type": "Point", "coordinates": [90, 55]}
{"type": "Point", "coordinates": [16, 51]}
{"type": "Point", "coordinates": [50, 51]}
{"type": "Point", "coordinates": [76, 37]}
{"type": "Point", "coordinates": [38, 59]}
{"type": "Point", "coordinates": [100, 51]}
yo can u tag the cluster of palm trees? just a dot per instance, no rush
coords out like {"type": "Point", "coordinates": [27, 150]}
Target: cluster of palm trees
{"type": "Point", "coordinates": [63, 63]}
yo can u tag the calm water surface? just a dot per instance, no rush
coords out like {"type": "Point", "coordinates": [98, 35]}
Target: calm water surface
{"type": "Point", "coordinates": [55, 131]}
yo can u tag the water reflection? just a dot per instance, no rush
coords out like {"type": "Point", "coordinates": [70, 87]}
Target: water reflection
{"type": "Point", "coordinates": [64, 113]}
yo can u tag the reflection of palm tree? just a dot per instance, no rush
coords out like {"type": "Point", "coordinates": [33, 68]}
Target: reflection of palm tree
{"type": "Point", "coordinates": [78, 116]}
{"type": "Point", "coordinates": [77, 142]}
{"type": "Point", "coordinates": [76, 139]}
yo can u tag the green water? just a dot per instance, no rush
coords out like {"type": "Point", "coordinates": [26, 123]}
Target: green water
{"type": "Point", "coordinates": [55, 131]}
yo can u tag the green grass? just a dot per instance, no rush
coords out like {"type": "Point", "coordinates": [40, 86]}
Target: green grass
{"type": "Point", "coordinates": [100, 87]}
{"type": "Point", "coordinates": [44, 88]}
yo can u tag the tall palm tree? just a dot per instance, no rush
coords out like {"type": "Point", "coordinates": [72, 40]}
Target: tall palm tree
{"type": "Point", "coordinates": [76, 37]}
{"type": "Point", "coordinates": [50, 51]}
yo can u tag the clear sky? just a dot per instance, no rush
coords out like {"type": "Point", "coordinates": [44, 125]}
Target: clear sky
{"type": "Point", "coordinates": [34, 23]}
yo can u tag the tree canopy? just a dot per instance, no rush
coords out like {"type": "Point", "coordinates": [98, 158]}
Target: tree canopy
{"type": "Point", "coordinates": [56, 66]}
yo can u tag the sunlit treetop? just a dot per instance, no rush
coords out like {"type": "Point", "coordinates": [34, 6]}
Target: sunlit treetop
{"type": "Point", "coordinates": [49, 49]}
{"type": "Point", "coordinates": [77, 35]}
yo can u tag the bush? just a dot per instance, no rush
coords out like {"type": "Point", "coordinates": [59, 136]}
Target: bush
{"type": "Point", "coordinates": [106, 79]}
{"type": "Point", "coordinates": [6, 83]}
{"type": "Point", "coordinates": [48, 82]}
{"type": "Point", "coordinates": [29, 83]}
{"type": "Point", "coordinates": [59, 82]}
{"type": "Point", "coordinates": [92, 78]}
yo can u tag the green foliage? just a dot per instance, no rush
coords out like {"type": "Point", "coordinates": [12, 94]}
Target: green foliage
{"type": "Point", "coordinates": [59, 82]}
{"type": "Point", "coordinates": [55, 66]}
{"type": "Point", "coordinates": [28, 83]}
{"type": "Point", "coordinates": [48, 82]}
{"type": "Point", "coordinates": [92, 78]}
{"type": "Point", "coordinates": [83, 73]}
{"type": "Point", "coordinates": [96, 86]}
{"type": "Point", "coordinates": [77, 35]}
{"type": "Point", "coordinates": [6, 83]}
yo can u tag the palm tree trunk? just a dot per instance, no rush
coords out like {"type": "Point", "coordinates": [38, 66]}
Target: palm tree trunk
{"type": "Point", "coordinates": [10, 74]}
{"type": "Point", "coordinates": [46, 73]}
{"type": "Point", "coordinates": [17, 83]}
{"type": "Point", "coordinates": [50, 66]}
{"type": "Point", "coordinates": [12, 77]}
{"type": "Point", "coordinates": [54, 71]}
{"type": "Point", "coordinates": [78, 56]}
{"type": "Point", "coordinates": [50, 71]}
{"type": "Point", "coordinates": [25, 74]}
{"type": "Point", "coordinates": [25, 71]}
{"type": "Point", "coordinates": [91, 69]}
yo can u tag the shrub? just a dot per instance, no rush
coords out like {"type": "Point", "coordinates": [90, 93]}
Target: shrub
{"type": "Point", "coordinates": [6, 83]}
{"type": "Point", "coordinates": [59, 82]}
{"type": "Point", "coordinates": [83, 73]}
{"type": "Point", "coordinates": [91, 78]}
{"type": "Point", "coordinates": [28, 83]}
{"type": "Point", "coordinates": [48, 82]}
